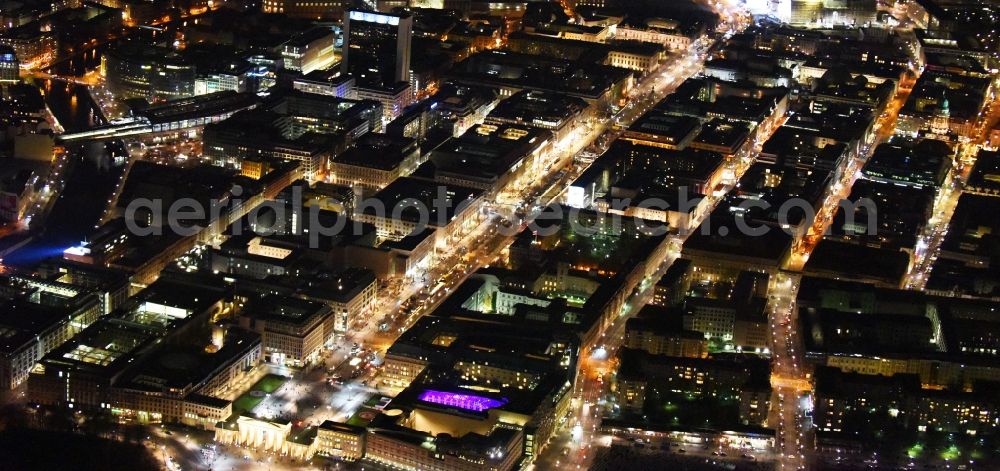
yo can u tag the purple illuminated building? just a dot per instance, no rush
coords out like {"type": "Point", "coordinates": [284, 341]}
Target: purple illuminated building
{"type": "Point", "coordinates": [462, 401]}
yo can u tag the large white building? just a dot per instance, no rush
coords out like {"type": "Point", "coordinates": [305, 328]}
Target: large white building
{"type": "Point", "coordinates": [309, 51]}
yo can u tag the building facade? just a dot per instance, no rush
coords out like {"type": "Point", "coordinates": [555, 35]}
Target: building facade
{"type": "Point", "coordinates": [377, 47]}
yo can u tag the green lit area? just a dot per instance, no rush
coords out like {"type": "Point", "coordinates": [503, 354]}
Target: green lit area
{"type": "Point", "coordinates": [365, 413]}
{"type": "Point", "coordinates": [605, 248]}
{"type": "Point", "coordinates": [690, 410]}
{"type": "Point", "coordinates": [250, 400]}
{"type": "Point", "coordinates": [951, 453]}
{"type": "Point", "coordinates": [940, 447]}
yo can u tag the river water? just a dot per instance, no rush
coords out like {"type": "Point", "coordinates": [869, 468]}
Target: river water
{"type": "Point", "coordinates": [88, 186]}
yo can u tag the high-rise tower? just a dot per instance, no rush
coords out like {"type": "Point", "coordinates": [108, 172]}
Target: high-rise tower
{"type": "Point", "coordinates": [377, 47]}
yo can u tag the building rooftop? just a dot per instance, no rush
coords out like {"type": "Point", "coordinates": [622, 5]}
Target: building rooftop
{"type": "Point", "coordinates": [29, 31]}
{"type": "Point", "coordinates": [662, 321]}
{"type": "Point", "coordinates": [106, 347]}
{"type": "Point", "coordinates": [29, 310]}
{"type": "Point", "coordinates": [166, 309]}
{"type": "Point", "coordinates": [641, 365]}
{"type": "Point", "coordinates": [166, 184]}
{"type": "Point", "coordinates": [659, 127]}
{"type": "Point", "coordinates": [871, 333]}
{"type": "Point", "coordinates": [834, 258]}
{"type": "Point", "coordinates": [203, 106]}
{"type": "Point", "coordinates": [192, 294]}
{"type": "Point", "coordinates": [342, 427]}
{"type": "Point", "coordinates": [457, 100]}
{"type": "Point", "coordinates": [297, 103]}
{"type": "Point", "coordinates": [141, 52]}
{"type": "Point", "coordinates": [899, 213]}
{"type": "Point", "coordinates": [536, 108]}
{"type": "Point", "coordinates": [974, 229]}
{"type": "Point", "coordinates": [83, 274]}
{"type": "Point", "coordinates": [838, 122]}
{"type": "Point", "coordinates": [510, 69]}
{"type": "Point", "coordinates": [985, 177]}
{"type": "Point", "coordinates": [378, 151]}
{"type": "Point", "coordinates": [358, 14]}
{"type": "Point", "coordinates": [797, 147]}
{"type": "Point", "coordinates": [518, 341]}
{"type": "Point", "coordinates": [919, 164]}
{"type": "Point", "coordinates": [7, 54]}
{"type": "Point", "coordinates": [285, 309]}
{"type": "Point", "coordinates": [832, 382]}
{"type": "Point", "coordinates": [841, 85]}
{"type": "Point", "coordinates": [965, 95]}
{"type": "Point", "coordinates": [777, 185]}
{"type": "Point", "coordinates": [719, 237]}
{"type": "Point", "coordinates": [956, 277]}
{"type": "Point", "coordinates": [267, 129]}
{"type": "Point", "coordinates": [342, 286]}
{"type": "Point", "coordinates": [883, 71]}
{"type": "Point", "coordinates": [309, 36]}
{"type": "Point", "coordinates": [425, 192]}
{"type": "Point", "coordinates": [408, 243]}
{"type": "Point", "coordinates": [661, 170]}
{"type": "Point", "coordinates": [487, 152]}
{"type": "Point", "coordinates": [725, 133]}
{"type": "Point", "coordinates": [703, 97]}
{"type": "Point", "coordinates": [184, 367]}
